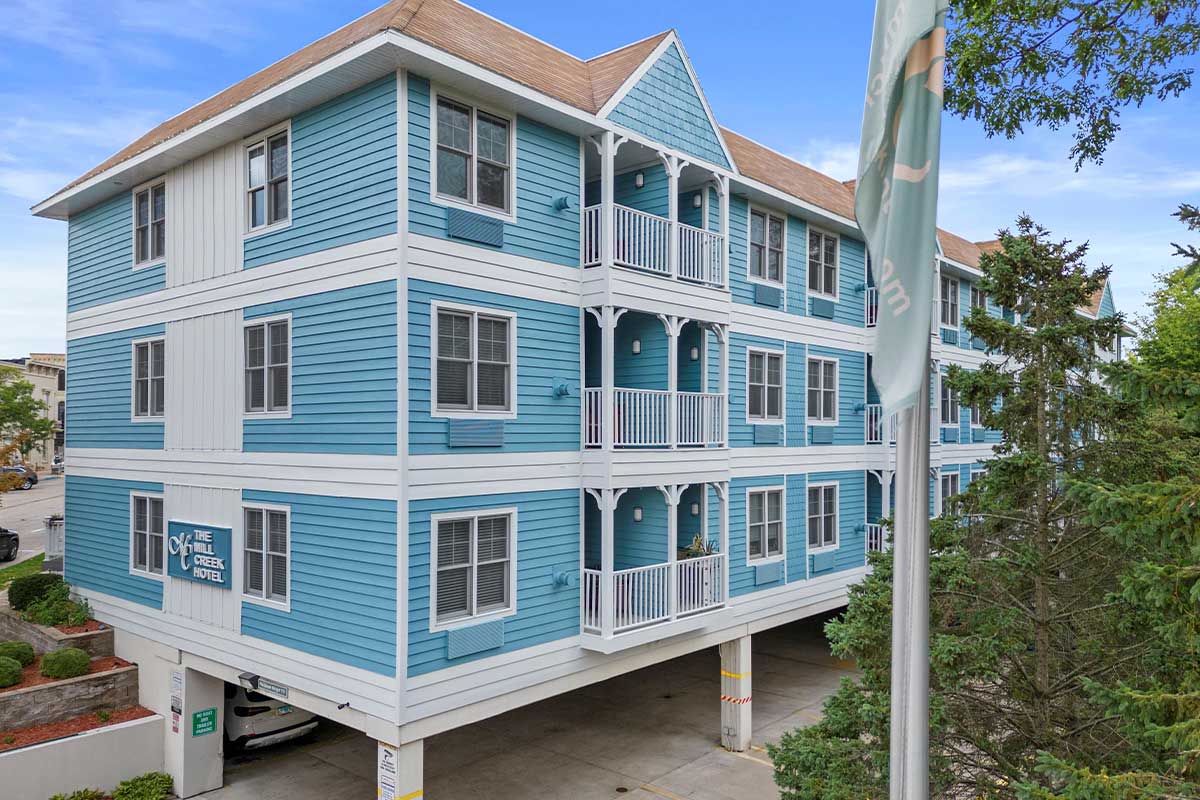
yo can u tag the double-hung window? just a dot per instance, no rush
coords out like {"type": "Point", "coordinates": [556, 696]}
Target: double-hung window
{"type": "Point", "coordinates": [978, 298]}
{"type": "Point", "coordinates": [266, 554]}
{"type": "Point", "coordinates": [150, 224]}
{"type": "Point", "coordinates": [766, 247]}
{"type": "Point", "coordinates": [949, 414]}
{"type": "Point", "coordinates": [976, 416]}
{"type": "Point", "coordinates": [822, 516]}
{"type": "Point", "coordinates": [764, 386]}
{"type": "Point", "coordinates": [147, 532]}
{"type": "Point", "coordinates": [149, 379]}
{"type": "Point", "coordinates": [268, 367]}
{"type": "Point", "coordinates": [474, 157]}
{"type": "Point", "coordinates": [822, 263]}
{"type": "Point", "coordinates": [764, 524]}
{"type": "Point", "coordinates": [949, 488]}
{"type": "Point", "coordinates": [822, 390]}
{"type": "Point", "coordinates": [268, 184]}
{"type": "Point", "coordinates": [474, 361]}
{"type": "Point", "coordinates": [949, 313]}
{"type": "Point", "coordinates": [473, 565]}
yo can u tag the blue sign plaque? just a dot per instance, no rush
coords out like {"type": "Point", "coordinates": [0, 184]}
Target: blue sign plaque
{"type": "Point", "coordinates": [199, 553]}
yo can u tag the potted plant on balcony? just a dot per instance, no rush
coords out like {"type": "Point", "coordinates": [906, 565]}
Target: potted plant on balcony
{"type": "Point", "coordinates": [700, 547]}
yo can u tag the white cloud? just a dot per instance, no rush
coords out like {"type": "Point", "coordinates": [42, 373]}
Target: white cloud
{"type": "Point", "coordinates": [1019, 174]}
{"type": "Point", "coordinates": [32, 185]}
{"type": "Point", "coordinates": [835, 159]}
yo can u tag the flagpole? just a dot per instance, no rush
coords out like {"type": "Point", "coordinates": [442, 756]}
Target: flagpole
{"type": "Point", "coordinates": [909, 763]}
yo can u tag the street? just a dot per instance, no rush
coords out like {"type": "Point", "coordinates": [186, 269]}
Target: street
{"type": "Point", "coordinates": [24, 512]}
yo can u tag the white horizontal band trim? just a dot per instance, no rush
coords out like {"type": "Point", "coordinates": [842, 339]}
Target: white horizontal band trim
{"type": "Point", "coordinates": [457, 264]}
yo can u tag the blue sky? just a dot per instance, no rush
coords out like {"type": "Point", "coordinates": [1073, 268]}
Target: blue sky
{"type": "Point", "coordinates": [79, 79]}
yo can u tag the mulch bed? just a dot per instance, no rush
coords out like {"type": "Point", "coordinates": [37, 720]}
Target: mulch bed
{"type": "Point", "coordinates": [91, 626]}
{"type": "Point", "coordinates": [32, 675]}
{"type": "Point", "coordinates": [36, 734]}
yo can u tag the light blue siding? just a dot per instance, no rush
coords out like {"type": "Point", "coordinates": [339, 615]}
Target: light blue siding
{"type": "Point", "coordinates": [665, 105]}
{"type": "Point", "coordinates": [850, 308]}
{"type": "Point", "coordinates": [652, 198]}
{"type": "Point", "coordinates": [647, 369]}
{"type": "Point", "coordinates": [100, 256]}
{"type": "Point", "coordinates": [852, 516]}
{"type": "Point", "coordinates": [547, 350]}
{"type": "Point", "coordinates": [547, 164]}
{"type": "Point", "coordinates": [343, 374]}
{"type": "Point", "coordinates": [640, 544]}
{"type": "Point", "coordinates": [797, 528]}
{"type": "Point", "coordinates": [100, 392]}
{"type": "Point", "coordinates": [547, 542]}
{"type": "Point", "coordinates": [741, 290]}
{"type": "Point", "coordinates": [343, 581]}
{"type": "Point", "coordinates": [794, 388]}
{"type": "Point", "coordinates": [741, 432]}
{"type": "Point", "coordinates": [852, 420]}
{"type": "Point", "coordinates": [343, 176]}
{"type": "Point", "coordinates": [1107, 307]}
{"type": "Point", "coordinates": [797, 266]}
{"type": "Point", "coordinates": [97, 539]}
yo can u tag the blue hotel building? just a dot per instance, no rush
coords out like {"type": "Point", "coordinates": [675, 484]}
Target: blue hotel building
{"type": "Point", "coordinates": [433, 371]}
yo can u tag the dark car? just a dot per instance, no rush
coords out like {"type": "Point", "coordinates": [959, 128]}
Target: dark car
{"type": "Point", "coordinates": [10, 543]}
{"type": "Point", "coordinates": [28, 478]}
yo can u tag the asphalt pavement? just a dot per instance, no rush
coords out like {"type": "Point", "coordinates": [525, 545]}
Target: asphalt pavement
{"type": "Point", "coordinates": [24, 511]}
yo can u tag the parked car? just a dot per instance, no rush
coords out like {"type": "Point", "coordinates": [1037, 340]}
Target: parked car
{"type": "Point", "coordinates": [10, 543]}
{"type": "Point", "coordinates": [28, 477]}
{"type": "Point", "coordinates": [254, 720]}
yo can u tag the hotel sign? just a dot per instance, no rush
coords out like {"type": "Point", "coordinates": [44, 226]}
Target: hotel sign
{"type": "Point", "coordinates": [199, 553]}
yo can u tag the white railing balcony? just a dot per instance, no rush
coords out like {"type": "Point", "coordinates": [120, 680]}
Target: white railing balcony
{"type": "Point", "coordinates": [701, 256]}
{"type": "Point", "coordinates": [872, 307]}
{"type": "Point", "coordinates": [641, 418]}
{"type": "Point", "coordinates": [654, 594]}
{"type": "Point", "coordinates": [876, 538]}
{"type": "Point", "coordinates": [874, 423]}
{"type": "Point", "coordinates": [643, 241]}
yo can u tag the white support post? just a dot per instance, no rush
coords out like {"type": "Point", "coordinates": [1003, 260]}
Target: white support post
{"type": "Point", "coordinates": [736, 694]}
{"type": "Point", "coordinates": [723, 382]}
{"type": "Point", "coordinates": [608, 507]}
{"type": "Point", "coordinates": [722, 490]}
{"type": "Point", "coordinates": [673, 167]}
{"type": "Point", "coordinates": [608, 327]}
{"type": "Point", "coordinates": [193, 752]}
{"type": "Point", "coordinates": [400, 771]}
{"type": "Point", "coordinates": [608, 154]}
{"type": "Point", "coordinates": [672, 495]}
{"type": "Point", "coordinates": [723, 195]}
{"type": "Point", "coordinates": [673, 326]}
{"type": "Point", "coordinates": [885, 481]}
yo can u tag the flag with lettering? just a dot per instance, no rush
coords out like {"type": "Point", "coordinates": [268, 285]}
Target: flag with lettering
{"type": "Point", "coordinates": [895, 197]}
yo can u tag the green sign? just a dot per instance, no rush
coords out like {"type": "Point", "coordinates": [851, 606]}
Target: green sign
{"type": "Point", "coordinates": [204, 722]}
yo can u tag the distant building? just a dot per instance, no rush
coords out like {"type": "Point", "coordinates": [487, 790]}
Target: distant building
{"type": "Point", "coordinates": [48, 374]}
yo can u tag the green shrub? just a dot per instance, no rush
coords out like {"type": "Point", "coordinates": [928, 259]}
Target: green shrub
{"type": "Point", "coordinates": [57, 608]}
{"type": "Point", "coordinates": [151, 786]}
{"type": "Point", "coordinates": [17, 651]}
{"type": "Point", "coordinates": [28, 589]}
{"type": "Point", "coordinates": [81, 794]}
{"type": "Point", "coordinates": [70, 662]}
{"type": "Point", "coordinates": [10, 671]}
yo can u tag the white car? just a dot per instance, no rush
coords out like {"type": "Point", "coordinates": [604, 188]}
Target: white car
{"type": "Point", "coordinates": [255, 720]}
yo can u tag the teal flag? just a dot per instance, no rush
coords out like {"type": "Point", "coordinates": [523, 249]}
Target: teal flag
{"type": "Point", "coordinates": [895, 198]}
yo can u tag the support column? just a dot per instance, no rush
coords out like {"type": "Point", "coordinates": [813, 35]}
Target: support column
{"type": "Point", "coordinates": [673, 327]}
{"type": "Point", "coordinates": [723, 381]}
{"type": "Point", "coordinates": [608, 507]}
{"type": "Point", "coordinates": [735, 695]}
{"type": "Point", "coordinates": [672, 495]}
{"type": "Point", "coordinates": [886, 486]}
{"type": "Point", "coordinates": [722, 490]}
{"type": "Point", "coordinates": [608, 152]}
{"type": "Point", "coordinates": [399, 771]}
{"type": "Point", "coordinates": [194, 753]}
{"type": "Point", "coordinates": [723, 195]}
{"type": "Point", "coordinates": [608, 319]}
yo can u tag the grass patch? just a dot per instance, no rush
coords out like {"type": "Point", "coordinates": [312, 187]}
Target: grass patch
{"type": "Point", "coordinates": [27, 567]}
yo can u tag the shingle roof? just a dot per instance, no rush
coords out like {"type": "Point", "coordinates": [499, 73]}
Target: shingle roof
{"type": "Point", "coordinates": [777, 170]}
{"type": "Point", "coordinates": [446, 24]}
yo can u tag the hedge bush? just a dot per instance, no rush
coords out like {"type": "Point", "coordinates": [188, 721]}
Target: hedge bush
{"type": "Point", "coordinates": [28, 589]}
{"type": "Point", "coordinates": [151, 786]}
{"type": "Point", "coordinates": [57, 608]}
{"type": "Point", "coordinates": [10, 672]}
{"type": "Point", "coordinates": [18, 651]}
{"type": "Point", "coordinates": [69, 662]}
{"type": "Point", "coordinates": [81, 794]}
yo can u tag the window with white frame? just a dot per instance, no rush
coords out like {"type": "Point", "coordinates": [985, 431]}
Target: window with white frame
{"type": "Point", "coordinates": [822, 263]}
{"type": "Point", "coordinates": [149, 379]}
{"type": "Point", "coordinates": [473, 156]}
{"type": "Point", "coordinates": [978, 298]}
{"type": "Point", "coordinates": [764, 387]}
{"type": "Point", "coordinates": [976, 416]}
{"type": "Point", "coordinates": [766, 247]}
{"type": "Point", "coordinates": [150, 224]}
{"type": "Point", "coordinates": [266, 554]}
{"type": "Point", "coordinates": [949, 403]}
{"type": "Point", "coordinates": [268, 367]}
{"type": "Point", "coordinates": [949, 315]}
{"type": "Point", "coordinates": [474, 356]}
{"type": "Point", "coordinates": [473, 565]}
{"type": "Point", "coordinates": [268, 181]}
{"type": "Point", "coordinates": [822, 390]}
{"type": "Point", "coordinates": [822, 516]}
{"type": "Point", "coordinates": [949, 488]}
{"type": "Point", "coordinates": [146, 530]}
{"type": "Point", "coordinates": [764, 529]}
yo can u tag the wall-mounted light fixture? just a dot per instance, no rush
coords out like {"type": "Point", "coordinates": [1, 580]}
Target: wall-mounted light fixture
{"type": "Point", "coordinates": [695, 509]}
{"type": "Point", "coordinates": [637, 513]}
{"type": "Point", "coordinates": [697, 200]}
{"type": "Point", "coordinates": [695, 354]}
{"type": "Point", "coordinates": [637, 346]}
{"type": "Point", "coordinates": [639, 180]}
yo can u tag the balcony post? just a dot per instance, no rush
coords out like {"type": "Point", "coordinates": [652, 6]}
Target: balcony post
{"type": "Point", "coordinates": [608, 507]}
{"type": "Point", "coordinates": [723, 195]}
{"type": "Point", "coordinates": [673, 326]}
{"type": "Point", "coordinates": [608, 153]}
{"type": "Point", "coordinates": [673, 167]}
{"type": "Point", "coordinates": [672, 494]}
{"type": "Point", "coordinates": [885, 481]}
{"type": "Point", "coordinates": [722, 490]}
{"type": "Point", "coordinates": [609, 317]}
{"type": "Point", "coordinates": [723, 382]}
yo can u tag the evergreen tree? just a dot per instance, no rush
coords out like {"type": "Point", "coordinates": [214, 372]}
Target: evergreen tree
{"type": "Point", "coordinates": [1025, 619]}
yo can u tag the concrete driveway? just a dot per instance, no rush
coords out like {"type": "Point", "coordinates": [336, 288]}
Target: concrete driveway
{"type": "Point", "coordinates": [647, 735]}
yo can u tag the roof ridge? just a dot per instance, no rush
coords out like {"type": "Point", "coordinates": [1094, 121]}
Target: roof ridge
{"type": "Point", "coordinates": [404, 6]}
{"type": "Point", "coordinates": [660, 36]}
